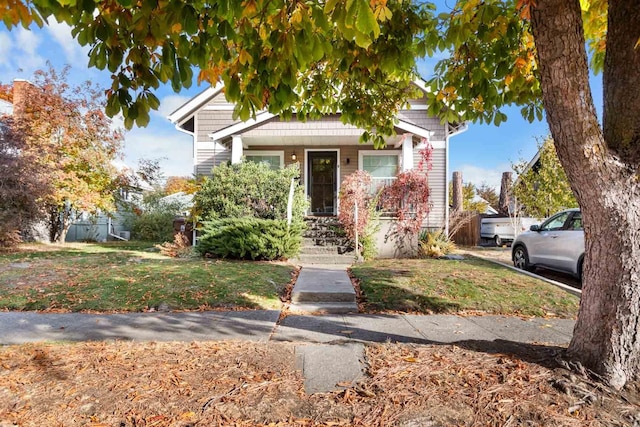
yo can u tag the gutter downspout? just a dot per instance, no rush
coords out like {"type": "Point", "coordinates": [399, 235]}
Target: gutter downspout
{"type": "Point", "coordinates": [463, 128]}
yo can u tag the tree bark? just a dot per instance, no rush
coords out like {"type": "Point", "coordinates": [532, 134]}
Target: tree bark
{"type": "Point", "coordinates": [505, 193]}
{"type": "Point", "coordinates": [603, 176]}
{"type": "Point", "coordinates": [457, 191]}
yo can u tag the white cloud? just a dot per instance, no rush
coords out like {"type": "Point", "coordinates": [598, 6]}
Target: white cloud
{"type": "Point", "coordinates": [171, 103]}
{"type": "Point", "coordinates": [25, 51]}
{"type": "Point", "coordinates": [5, 45]}
{"type": "Point", "coordinates": [175, 149]}
{"type": "Point", "coordinates": [478, 175]}
{"type": "Point", "coordinates": [75, 54]}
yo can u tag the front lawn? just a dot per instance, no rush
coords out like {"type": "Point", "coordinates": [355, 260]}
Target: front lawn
{"type": "Point", "coordinates": [452, 286]}
{"type": "Point", "coordinates": [131, 276]}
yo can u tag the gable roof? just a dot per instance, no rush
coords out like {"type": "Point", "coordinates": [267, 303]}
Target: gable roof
{"type": "Point", "coordinates": [184, 112]}
{"type": "Point", "coordinates": [187, 110]}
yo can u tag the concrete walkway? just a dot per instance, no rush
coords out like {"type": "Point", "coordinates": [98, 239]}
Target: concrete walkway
{"type": "Point", "coordinates": [323, 289]}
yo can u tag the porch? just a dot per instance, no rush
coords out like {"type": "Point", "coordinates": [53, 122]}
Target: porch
{"type": "Point", "coordinates": [325, 162]}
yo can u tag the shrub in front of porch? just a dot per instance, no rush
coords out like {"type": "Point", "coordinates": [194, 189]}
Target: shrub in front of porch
{"type": "Point", "coordinates": [244, 211]}
{"type": "Point", "coordinates": [249, 189]}
{"type": "Point", "coordinates": [250, 238]}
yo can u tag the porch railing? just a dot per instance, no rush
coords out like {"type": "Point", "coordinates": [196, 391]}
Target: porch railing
{"type": "Point", "coordinates": [379, 183]}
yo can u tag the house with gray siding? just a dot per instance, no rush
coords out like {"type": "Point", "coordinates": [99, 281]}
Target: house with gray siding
{"type": "Point", "coordinates": [327, 149]}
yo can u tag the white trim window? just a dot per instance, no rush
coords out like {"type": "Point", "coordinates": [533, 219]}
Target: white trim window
{"type": "Point", "coordinates": [275, 159]}
{"type": "Point", "coordinates": [382, 165]}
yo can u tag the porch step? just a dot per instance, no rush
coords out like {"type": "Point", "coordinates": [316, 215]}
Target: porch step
{"type": "Point", "coordinates": [324, 308]}
{"type": "Point", "coordinates": [327, 294]}
{"type": "Point", "coordinates": [326, 258]}
{"type": "Point", "coordinates": [311, 249]}
{"type": "Point", "coordinates": [323, 289]}
{"type": "Point", "coordinates": [324, 242]}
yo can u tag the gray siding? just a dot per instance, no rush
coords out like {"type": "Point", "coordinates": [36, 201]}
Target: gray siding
{"type": "Point", "coordinates": [206, 159]}
{"type": "Point", "coordinates": [437, 174]}
{"type": "Point", "coordinates": [421, 119]}
{"type": "Point", "coordinates": [329, 125]}
{"type": "Point", "coordinates": [438, 184]}
{"type": "Point", "coordinates": [210, 121]}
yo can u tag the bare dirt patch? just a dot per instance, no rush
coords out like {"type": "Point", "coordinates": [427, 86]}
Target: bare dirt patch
{"type": "Point", "coordinates": [239, 383]}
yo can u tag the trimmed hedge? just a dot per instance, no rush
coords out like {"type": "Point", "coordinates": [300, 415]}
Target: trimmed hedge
{"type": "Point", "coordinates": [250, 238]}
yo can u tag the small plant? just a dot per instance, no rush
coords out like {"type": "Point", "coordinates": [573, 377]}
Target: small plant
{"type": "Point", "coordinates": [179, 248]}
{"type": "Point", "coordinates": [407, 197]}
{"type": "Point", "coordinates": [9, 238]}
{"type": "Point", "coordinates": [435, 244]}
{"type": "Point", "coordinates": [355, 189]}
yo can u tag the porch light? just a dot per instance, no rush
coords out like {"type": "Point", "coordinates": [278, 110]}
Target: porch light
{"type": "Point", "coordinates": [293, 156]}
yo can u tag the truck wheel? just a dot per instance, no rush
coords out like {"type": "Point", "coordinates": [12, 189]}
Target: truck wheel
{"type": "Point", "coordinates": [498, 240]}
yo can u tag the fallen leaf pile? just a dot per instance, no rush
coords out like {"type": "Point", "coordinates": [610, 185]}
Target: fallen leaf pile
{"type": "Point", "coordinates": [130, 384]}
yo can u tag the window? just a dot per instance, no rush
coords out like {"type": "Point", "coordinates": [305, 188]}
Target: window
{"type": "Point", "coordinates": [555, 222]}
{"type": "Point", "coordinates": [576, 221]}
{"type": "Point", "coordinates": [380, 166]}
{"type": "Point", "coordinates": [383, 167]}
{"type": "Point", "coordinates": [275, 159]}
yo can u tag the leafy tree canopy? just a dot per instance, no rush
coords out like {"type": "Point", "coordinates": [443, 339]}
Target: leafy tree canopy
{"type": "Point", "coordinates": [543, 188]}
{"type": "Point", "coordinates": [310, 57]}
{"type": "Point", "coordinates": [469, 201]}
{"type": "Point", "coordinates": [69, 143]}
{"type": "Point", "coordinates": [186, 184]}
{"type": "Point", "coordinates": [489, 194]}
{"type": "Point", "coordinates": [357, 57]}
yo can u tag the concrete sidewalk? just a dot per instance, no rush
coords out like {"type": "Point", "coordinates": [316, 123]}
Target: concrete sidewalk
{"type": "Point", "coordinates": [261, 325]}
{"type": "Point", "coordinates": [22, 327]}
{"type": "Point", "coordinates": [329, 349]}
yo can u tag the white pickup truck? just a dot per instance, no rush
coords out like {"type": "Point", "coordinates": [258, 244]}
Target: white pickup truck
{"type": "Point", "coordinates": [502, 230]}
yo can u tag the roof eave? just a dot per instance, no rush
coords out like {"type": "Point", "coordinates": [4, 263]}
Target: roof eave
{"type": "Point", "coordinates": [185, 111]}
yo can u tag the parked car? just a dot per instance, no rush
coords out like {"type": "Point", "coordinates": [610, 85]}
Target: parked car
{"type": "Point", "coordinates": [501, 229]}
{"type": "Point", "coordinates": [557, 244]}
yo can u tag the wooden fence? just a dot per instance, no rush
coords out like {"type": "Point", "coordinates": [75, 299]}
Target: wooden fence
{"type": "Point", "coordinates": [468, 233]}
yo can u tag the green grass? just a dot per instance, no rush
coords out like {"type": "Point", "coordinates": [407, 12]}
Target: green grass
{"type": "Point", "coordinates": [132, 276]}
{"type": "Point", "coordinates": [451, 286]}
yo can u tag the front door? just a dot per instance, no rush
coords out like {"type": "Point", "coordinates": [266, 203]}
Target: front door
{"type": "Point", "coordinates": [323, 178]}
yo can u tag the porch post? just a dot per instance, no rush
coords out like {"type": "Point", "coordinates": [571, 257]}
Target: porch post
{"type": "Point", "coordinates": [236, 149]}
{"type": "Point", "coordinates": [407, 152]}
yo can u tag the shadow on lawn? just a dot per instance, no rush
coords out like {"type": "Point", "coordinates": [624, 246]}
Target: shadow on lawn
{"type": "Point", "coordinates": [382, 294]}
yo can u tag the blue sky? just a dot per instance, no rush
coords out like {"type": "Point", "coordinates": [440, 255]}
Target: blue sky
{"type": "Point", "coordinates": [481, 153]}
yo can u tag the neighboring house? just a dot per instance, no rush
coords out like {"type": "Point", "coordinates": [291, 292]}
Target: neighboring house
{"type": "Point", "coordinates": [115, 225]}
{"type": "Point", "coordinates": [6, 108]}
{"type": "Point", "coordinates": [326, 149]}
{"type": "Point", "coordinates": [488, 210]}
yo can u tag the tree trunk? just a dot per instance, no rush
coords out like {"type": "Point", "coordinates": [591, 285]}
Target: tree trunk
{"type": "Point", "coordinates": [457, 191]}
{"type": "Point", "coordinates": [53, 223]}
{"type": "Point", "coordinates": [505, 193]}
{"type": "Point", "coordinates": [601, 174]}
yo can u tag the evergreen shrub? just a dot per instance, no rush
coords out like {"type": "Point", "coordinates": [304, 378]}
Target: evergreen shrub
{"type": "Point", "coordinates": [249, 189]}
{"type": "Point", "coordinates": [250, 238]}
